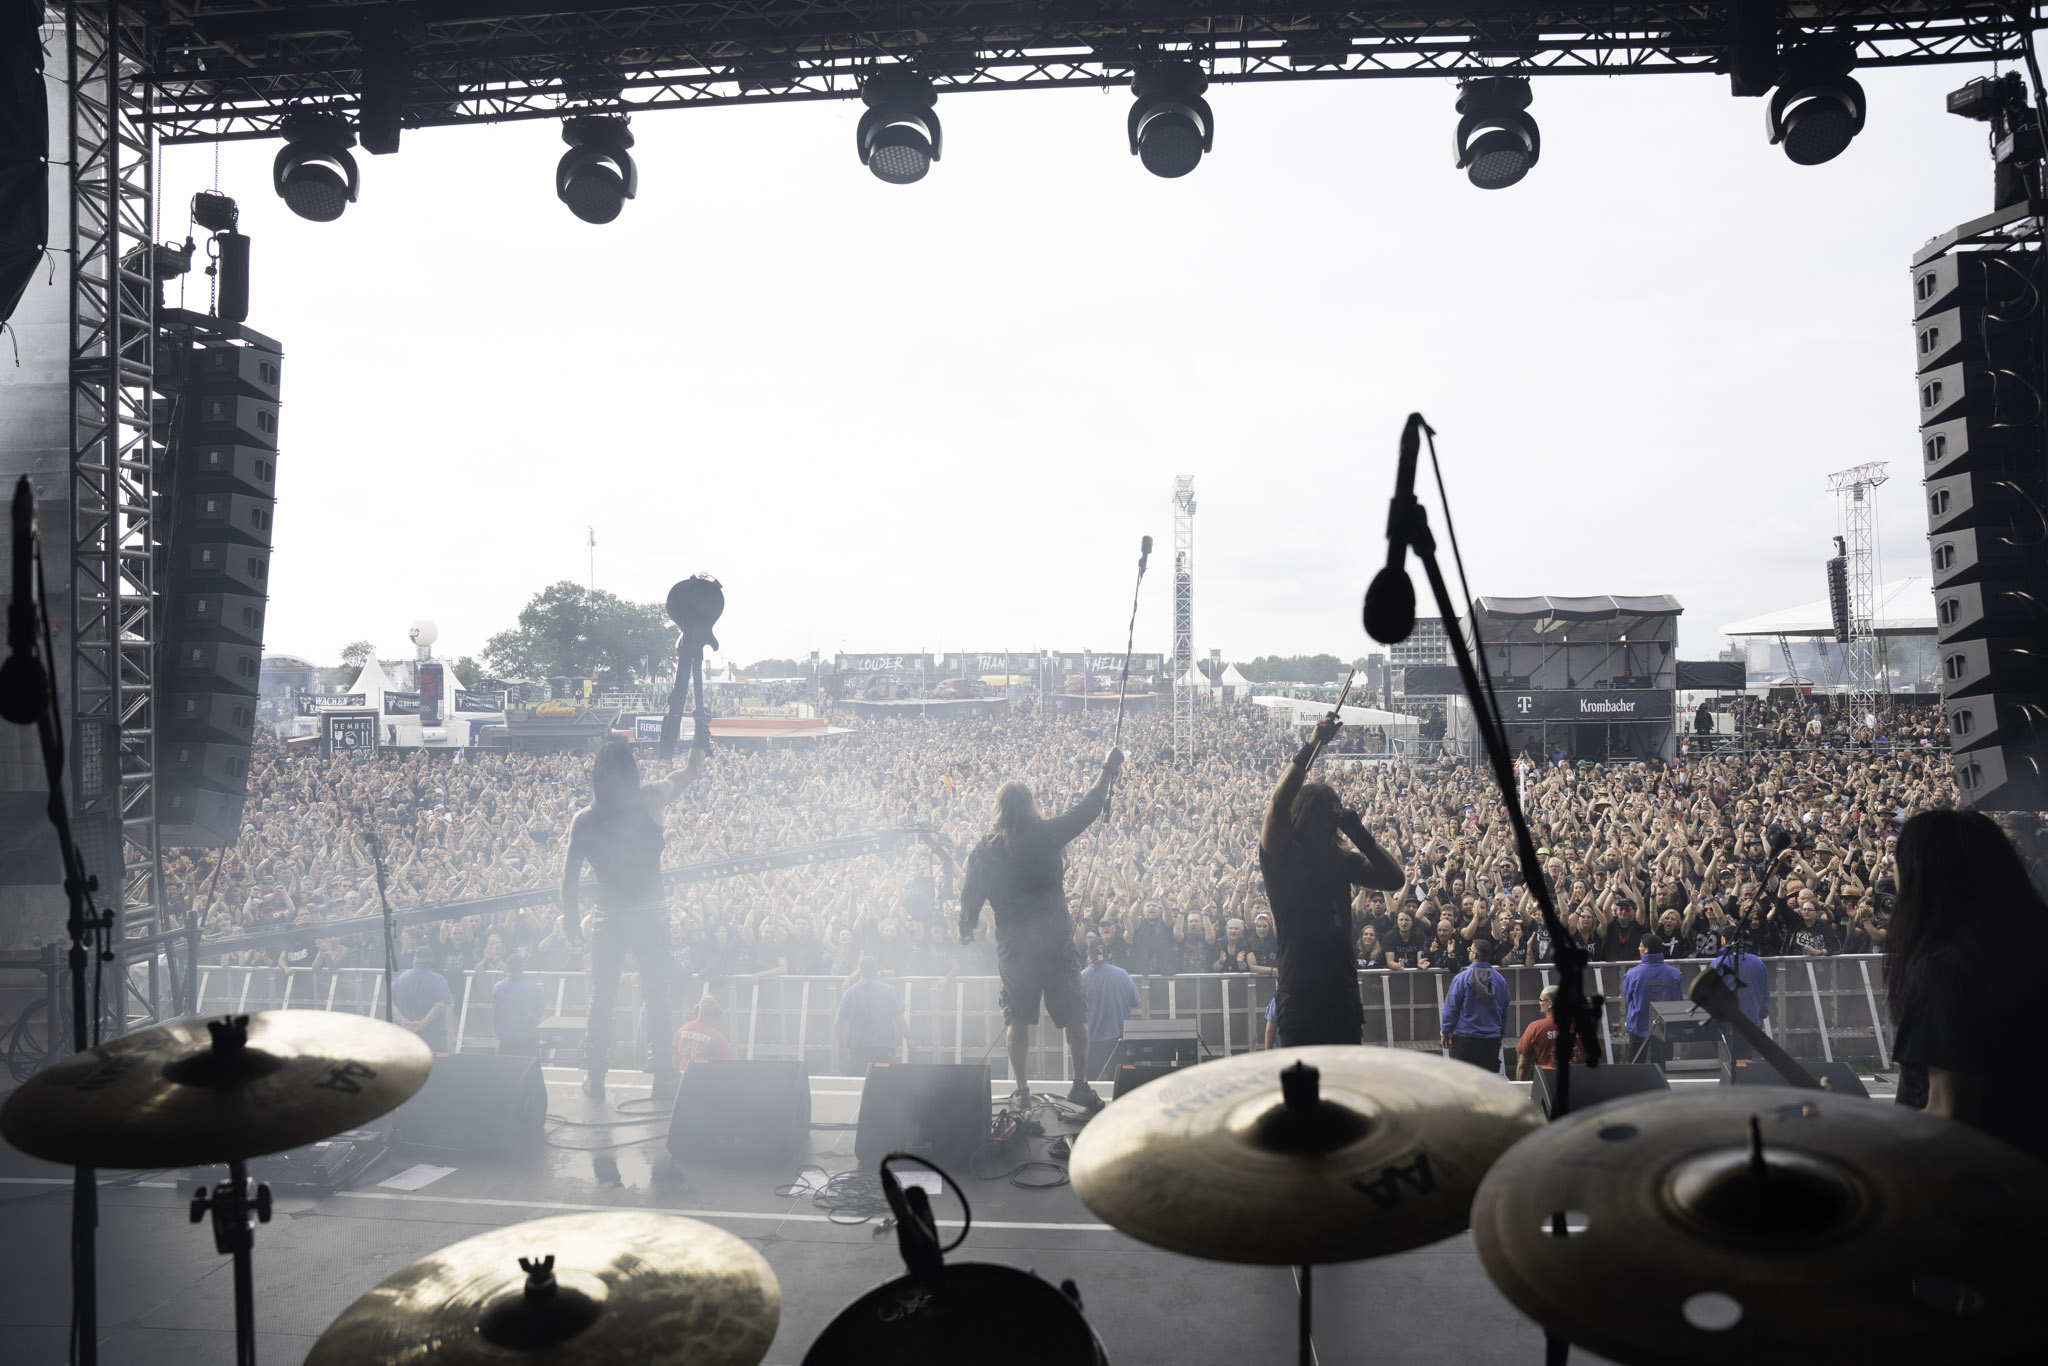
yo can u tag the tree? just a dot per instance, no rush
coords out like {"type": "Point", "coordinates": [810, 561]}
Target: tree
{"type": "Point", "coordinates": [467, 671]}
{"type": "Point", "coordinates": [570, 631]}
{"type": "Point", "coordinates": [778, 668]}
{"type": "Point", "coordinates": [354, 656]}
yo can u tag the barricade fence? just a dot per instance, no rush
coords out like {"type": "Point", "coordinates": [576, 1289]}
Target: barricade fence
{"type": "Point", "coordinates": [1820, 1009]}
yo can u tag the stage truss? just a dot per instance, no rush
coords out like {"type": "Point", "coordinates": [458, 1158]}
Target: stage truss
{"type": "Point", "coordinates": [186, 71]}
{"type": "Point", "coordinates": [224, 69]}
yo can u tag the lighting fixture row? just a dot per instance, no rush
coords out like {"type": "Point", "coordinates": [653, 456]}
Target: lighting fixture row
{"type": "Point", "coordinates": [1814, 113]}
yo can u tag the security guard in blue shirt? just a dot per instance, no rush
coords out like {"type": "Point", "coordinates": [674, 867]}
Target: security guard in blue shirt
{"type": "Point", "coordinates": [1651, 980]}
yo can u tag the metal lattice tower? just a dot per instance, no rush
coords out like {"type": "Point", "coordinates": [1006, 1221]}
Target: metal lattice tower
{"type": "Point", "coordinates": [1183, 619]}
{"type": "Point", "coordinates": [113, 539]}
{"type": "Point", "coordinates": [1858, 511]}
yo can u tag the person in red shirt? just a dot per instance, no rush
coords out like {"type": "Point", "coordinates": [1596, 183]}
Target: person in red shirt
{"type": "Point", "coordinates": [1538, 1046]}
{"type": "Point", "coordinates": [701, 1038]}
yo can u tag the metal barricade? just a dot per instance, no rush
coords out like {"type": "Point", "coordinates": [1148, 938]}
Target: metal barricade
{"type": "Point", "coordinates": [1820, 1009]}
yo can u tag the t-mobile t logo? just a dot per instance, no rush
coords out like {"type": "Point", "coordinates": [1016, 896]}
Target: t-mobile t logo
{"type": "Point", "coordinates": [1524, 704]}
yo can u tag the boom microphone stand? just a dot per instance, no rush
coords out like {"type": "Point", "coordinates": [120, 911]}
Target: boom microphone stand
{"type": "Point", "coordinates": [28, 696]}
{"type": "Point", "coordinates": [1130, 638]}
{"type": "Point", "coordinates": [1576, 1013]}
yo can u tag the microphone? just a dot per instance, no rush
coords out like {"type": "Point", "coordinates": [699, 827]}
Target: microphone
{"type": "Point", "coordinates": [1144, 554]}
{"type": "Point", "coordinates": [24, 689]}
{"type": "Point", "coordinates": [1390, 601]}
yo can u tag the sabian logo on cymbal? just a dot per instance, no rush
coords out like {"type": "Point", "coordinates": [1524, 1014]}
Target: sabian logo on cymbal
{"type": "Point", "coordinates": [344, 1077]}
{"type": "Point", "coordinates": [1384, 1190]}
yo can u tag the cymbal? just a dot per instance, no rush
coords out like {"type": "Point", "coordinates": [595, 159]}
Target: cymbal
{"type": "Point", "coordinates": [196, 1092]}
{"type": "Point", "coordinates": [628, 1286]}
{"type": "Point", "coordinates": [1873, 1233]}
{"type": "Point", "coordinates": [1217, 1161]}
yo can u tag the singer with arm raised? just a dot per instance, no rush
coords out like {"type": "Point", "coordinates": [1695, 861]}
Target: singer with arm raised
{"type": "Point", "coordinates": [1309, 876]}
{"type": "Point", "coordinates": [619, 834]}
{"type": "Point", "coordinates": [1019, 869]}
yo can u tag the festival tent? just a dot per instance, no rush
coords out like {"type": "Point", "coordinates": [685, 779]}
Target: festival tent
{"type": "Point", "coordinates": [1306, 713]}
{"type": "Point", "coordinates": [373, 682]}
{"type": "Point", "coordinates": [1236, 683]}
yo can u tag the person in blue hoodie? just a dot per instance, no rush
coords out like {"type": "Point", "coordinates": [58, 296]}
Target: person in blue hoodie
{"type": "Point", "coordinates": [1476, 1011]}
{"type": "Point", "coordinates": [1651, 980]}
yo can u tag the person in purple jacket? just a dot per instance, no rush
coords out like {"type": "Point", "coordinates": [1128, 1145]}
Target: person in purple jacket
{"type": "Point", "coordinates": [1476, 1011]}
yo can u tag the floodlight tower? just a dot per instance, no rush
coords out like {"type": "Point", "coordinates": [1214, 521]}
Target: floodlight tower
{"type": "Point", "coordinates": [1183, 620]}
{"type": "Point", "coordinates": [1858, 515]}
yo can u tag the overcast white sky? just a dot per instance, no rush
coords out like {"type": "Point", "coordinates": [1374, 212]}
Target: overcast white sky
{"type": "Point", "coordinates": [940, 416]}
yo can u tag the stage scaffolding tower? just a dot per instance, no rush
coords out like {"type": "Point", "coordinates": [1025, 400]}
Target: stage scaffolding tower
{"type": "Point", "coordinates": [113, 532]}
{"type": "Point", "coordinates": [1183, 620]}
{"type": "Point", "coordinates": [1863, 668]}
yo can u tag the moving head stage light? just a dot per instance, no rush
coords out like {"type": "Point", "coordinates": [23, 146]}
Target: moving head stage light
{"type": "Point", "coordinates": [314, 174]}
{"type": "Point", "coordinates": [596, 176]}
{"type": "Point", "coordinates": [1497, 140]}
{"type": "Point", "coordinates": [898, 138]}
{"type": "Point", "coordinates": [1817, 110]}
{"type": "Point", "coordinates": [1171, 125]}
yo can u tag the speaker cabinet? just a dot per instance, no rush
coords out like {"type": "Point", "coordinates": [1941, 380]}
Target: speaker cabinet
{"type": "Point", "coordinates": [737, 1113]}
{"type": "Point", "coordinates": [1131, 1075]}
{"type": "Point", "coordinates": [1840, 1077]}
{"type": "Point", "coordinates": [476, 1105]}
{"type": "Point", "coordinates": [1593, 1085]}
{"type": "Point", "coordinates": [938, 1110]}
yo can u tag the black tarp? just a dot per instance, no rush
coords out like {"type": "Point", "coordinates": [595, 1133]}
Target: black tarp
{"type": "Point", "coordinates": [1720, 675]}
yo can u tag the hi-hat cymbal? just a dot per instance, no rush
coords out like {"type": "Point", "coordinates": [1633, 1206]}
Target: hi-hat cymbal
{"type": "Point", "coordinates": [1378, 1151]}
{"type": "Point", "coordinates": [195, 1092]}
{"type": "Point", "coordinates": [1834, 1228]}
{"type": "Point", "coordinates": [623, 1287]}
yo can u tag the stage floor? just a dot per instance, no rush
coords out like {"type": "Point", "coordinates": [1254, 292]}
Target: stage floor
{"type": "Point", "coordinates": [166, 1296]}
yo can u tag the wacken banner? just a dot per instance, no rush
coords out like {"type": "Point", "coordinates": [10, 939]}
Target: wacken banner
{"type": "Point", "coordinates": [313, 703]}
{"type": "Point", "coordinates": [479, 701]}
{"type": "Point", "coordinates": [883, 664]}
{"type": "Point", "coordinates": [401, 704]}
{"type": "Point", "coordinates": [1646, 704]}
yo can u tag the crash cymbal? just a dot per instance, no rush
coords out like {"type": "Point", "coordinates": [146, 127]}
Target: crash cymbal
{"type": "Point", "coordinates": [1370, 1151]}
{"type": "Point", "coordinates": [624, 1288]}
{"type": "Point", "coordinates": [196, 1092]}
{"type": "Point", "coordinates": [1834, 1229]}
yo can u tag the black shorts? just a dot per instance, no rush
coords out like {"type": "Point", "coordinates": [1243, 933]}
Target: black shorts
{"type": "Point", "coordinates": [1041, 962]}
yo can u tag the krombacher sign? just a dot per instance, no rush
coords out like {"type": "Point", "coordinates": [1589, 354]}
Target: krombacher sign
{"type": "Point", "coordinates": [1646, 704]}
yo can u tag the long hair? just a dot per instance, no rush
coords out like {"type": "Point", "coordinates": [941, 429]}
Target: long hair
{"type": "Point", "coordinates": [1964, 897]}
{"type": "Point", "coordinates": [1314, 802]}
{"type": "Point", "coordinates": [615, 773]}
{"type": "Point", "coordinates": [1015, 812]}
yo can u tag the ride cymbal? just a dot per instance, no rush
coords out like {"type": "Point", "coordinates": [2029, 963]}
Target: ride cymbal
{"type": "Point", "coordinates": [1737, 1225]}
{"type": "Point", "coordinates": [196, 1092]}
{"type": "Point", "coordinates": [576, 1290]}
{"type": "Point", "coordinates": [1299, 1156]}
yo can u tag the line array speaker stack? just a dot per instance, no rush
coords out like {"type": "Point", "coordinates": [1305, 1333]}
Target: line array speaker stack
{"type": "Point", "coordinates": [24, 149]}
{"type": "Point", "coordinates": [218, 492]}
{"type": "Point", "coordinates": [1979, 348]}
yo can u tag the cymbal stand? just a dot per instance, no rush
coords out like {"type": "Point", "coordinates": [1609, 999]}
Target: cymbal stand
{"type": "Point", "coordinates": [236, 1211]}
{"type": "Point", "coordinates": [1576, 1012]}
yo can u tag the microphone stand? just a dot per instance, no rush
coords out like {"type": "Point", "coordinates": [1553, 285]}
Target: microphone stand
{"type": "Point", "coordinates": [1124, 684]}
{"type": "Point", "coordinates": [89, 929]}
{"type": "Point", "coordinates": [1575, 1012]}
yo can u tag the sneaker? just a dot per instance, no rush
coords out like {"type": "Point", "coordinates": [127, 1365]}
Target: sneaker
{"type": "Point", "coordinates": [1020, 1099]}
{"type": "Point", "coordinates": [1084, 1096]}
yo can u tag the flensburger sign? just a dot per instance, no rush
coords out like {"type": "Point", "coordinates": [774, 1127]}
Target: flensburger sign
{"type": "Point", "coordinates": [1646, 704]}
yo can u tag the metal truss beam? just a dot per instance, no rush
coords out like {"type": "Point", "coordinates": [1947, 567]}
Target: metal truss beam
{"type": "Point", "coordinates": [112, 541]}
{"type": "Point", "coordinates": [226, 69]}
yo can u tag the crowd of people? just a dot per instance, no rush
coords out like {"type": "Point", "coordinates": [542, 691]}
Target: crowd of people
{"type": "Point", "coordinates": [1792, 851]}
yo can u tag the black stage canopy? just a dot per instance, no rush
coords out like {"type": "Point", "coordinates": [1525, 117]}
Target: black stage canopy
{"type": "Point", "coordinates": [234, 68]}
